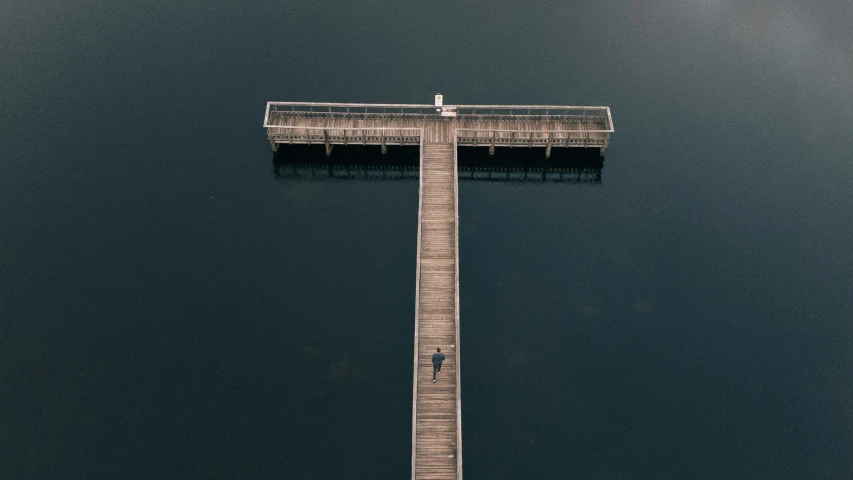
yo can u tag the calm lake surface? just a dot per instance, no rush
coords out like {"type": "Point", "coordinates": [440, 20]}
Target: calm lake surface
{"type": "Point", "coordinates": [170, 309]}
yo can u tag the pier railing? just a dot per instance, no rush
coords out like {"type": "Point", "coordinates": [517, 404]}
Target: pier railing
{"type": "Point", "coordinates": [338, 135]}
{"type": "Point", "coordinates": [464, 112]}
{"type": "Point", "coordinates": [311, 109]}
{"type": "Point", "coordinates": [538, 112]}
{"type": "Point", "coordinates": [533, 138]}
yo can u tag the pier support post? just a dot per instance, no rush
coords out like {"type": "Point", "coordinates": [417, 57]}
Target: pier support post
{"type": "Point", "coordinates": [548, 147]}
{"type": "Point", "coordinates": [491, 150]}
{"type": "Point", "coordinates": [274, 146]}
{"type": "Point", "coordinates": [384, 149]}
{"type": "Point", "coordinates": [326, 141]}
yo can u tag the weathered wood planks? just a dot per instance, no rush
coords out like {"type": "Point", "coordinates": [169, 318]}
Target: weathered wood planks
{"type": "Point", "coordinates": [436, 433]}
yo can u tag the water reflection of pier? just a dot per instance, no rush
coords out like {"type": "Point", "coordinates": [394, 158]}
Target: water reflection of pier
{"type": "Point", "coordinates": [522, 164]}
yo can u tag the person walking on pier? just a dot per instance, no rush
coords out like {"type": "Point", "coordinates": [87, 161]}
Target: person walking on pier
{"type": "Point", "coordinates": [437, 358]}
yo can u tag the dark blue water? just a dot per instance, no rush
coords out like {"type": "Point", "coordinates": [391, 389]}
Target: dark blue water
{"type": "Point", "coordinates": [170, 309]}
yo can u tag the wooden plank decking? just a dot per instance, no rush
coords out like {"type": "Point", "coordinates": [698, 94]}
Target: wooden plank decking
{"type": "Point", "coordinates": [436, 409]}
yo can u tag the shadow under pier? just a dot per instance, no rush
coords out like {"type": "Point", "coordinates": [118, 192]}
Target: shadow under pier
{"type": "Point", "coordinates": [367, 162]}
{"type": "Point", "coordinates": [529, 164]}
{"type": "Point", "coordinates": [350, 162]}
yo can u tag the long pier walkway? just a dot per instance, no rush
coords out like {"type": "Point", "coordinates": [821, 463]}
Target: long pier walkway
{"type": "Point", "coordinates": [436, 425]}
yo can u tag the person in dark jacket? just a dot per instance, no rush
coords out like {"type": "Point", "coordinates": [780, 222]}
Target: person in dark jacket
{"type": "Point", "coordinates": [437, 358]}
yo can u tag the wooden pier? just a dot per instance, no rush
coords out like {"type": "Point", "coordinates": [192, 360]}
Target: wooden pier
{"type": "Point", "coordinates": [438, 130]}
